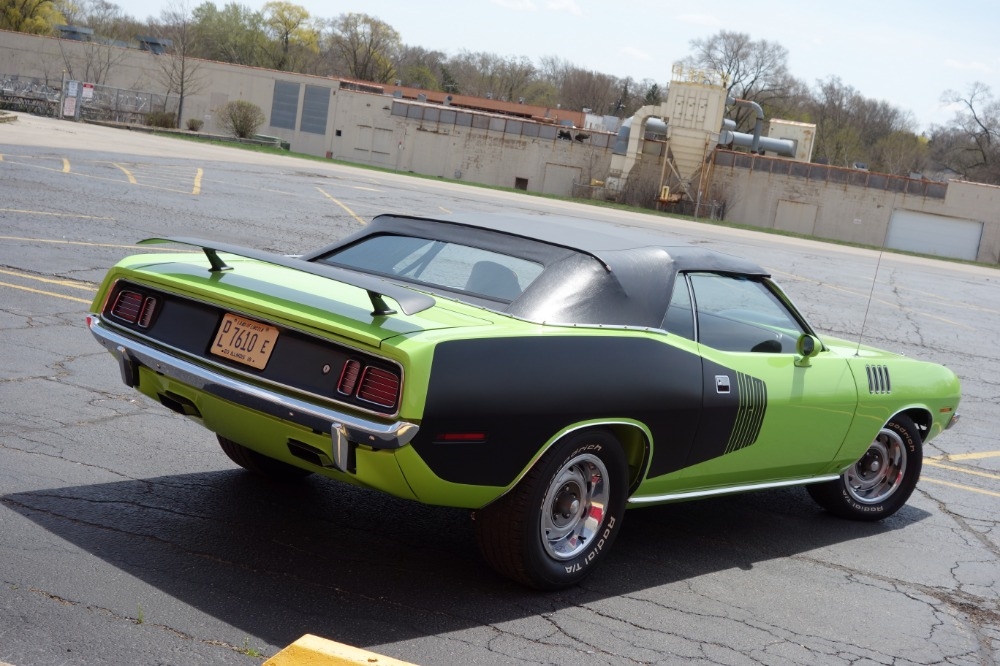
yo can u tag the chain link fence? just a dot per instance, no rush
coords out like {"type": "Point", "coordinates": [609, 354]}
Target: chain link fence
{"type": "Point", "coordinates": [106, 103]}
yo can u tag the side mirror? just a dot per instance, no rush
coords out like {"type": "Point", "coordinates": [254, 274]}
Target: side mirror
{"type": "Point", "coordinates": [806, 347]}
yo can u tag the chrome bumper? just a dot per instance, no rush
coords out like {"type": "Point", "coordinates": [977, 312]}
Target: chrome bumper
{"type": "Point", "coordinates": [344, 429]}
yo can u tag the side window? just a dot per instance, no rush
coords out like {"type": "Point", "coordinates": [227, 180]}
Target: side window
{"type": "Point", "coordinates": [741, 314]}
{"type": "Point", "coordinates": [680, 317]}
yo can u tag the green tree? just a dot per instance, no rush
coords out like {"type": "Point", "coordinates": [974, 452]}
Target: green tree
{"type": "Point", "coordinates": [364, 47]}
{"type": "Point", "coordinates": [653, 96]}
{"type": "Point", "coordinates": [37, 17]}
{"type": "Point", "coordinates": [293, 35]}
{"type": "Point", "coordinates": [233, 34]}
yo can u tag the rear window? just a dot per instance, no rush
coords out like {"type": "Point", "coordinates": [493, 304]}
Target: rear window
{"type": "Point", "coordinates": [438, 263]}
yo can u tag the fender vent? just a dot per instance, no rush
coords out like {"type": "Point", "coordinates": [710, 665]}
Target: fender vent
{"type": "Point", "coordinates": [750, 416]}
{"type": "Point", "coordinates": [878, 379]}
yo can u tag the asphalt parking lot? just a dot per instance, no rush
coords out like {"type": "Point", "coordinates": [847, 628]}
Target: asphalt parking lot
{"type": "Point", "coordinates": [126, 536]}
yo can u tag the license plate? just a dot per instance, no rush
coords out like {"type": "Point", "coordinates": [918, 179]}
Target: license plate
{"type": "Point", "coordinates": [244, 341]}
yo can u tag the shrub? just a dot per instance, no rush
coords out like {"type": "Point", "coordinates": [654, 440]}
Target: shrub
{"type": "Point", "coordinates": [165, 119]}
{"type": "Point", "coordinates": [195, 124]}
{"type": "Point", "coordinates": [240, 118]}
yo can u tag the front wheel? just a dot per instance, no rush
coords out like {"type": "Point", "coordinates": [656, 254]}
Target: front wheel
{"type": "Point", "coordinates": [556, 525]}
{"type": "Point", "coordinates": [877, 485]}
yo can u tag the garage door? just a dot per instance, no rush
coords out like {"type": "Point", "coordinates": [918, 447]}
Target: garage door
{"type": "Point", "coordinates": [934, 234]}
{"type": "Point", "coordinates": [559, 179]}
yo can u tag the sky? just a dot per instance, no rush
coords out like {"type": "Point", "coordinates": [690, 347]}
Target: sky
{"type": "Point", "coordinates": [907, 53]}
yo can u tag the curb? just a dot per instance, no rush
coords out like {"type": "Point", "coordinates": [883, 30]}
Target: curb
{"type": "Point", "coordinates": [315, 651]}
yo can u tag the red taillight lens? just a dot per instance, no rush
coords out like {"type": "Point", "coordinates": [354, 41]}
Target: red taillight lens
{"type": "Point", "coordinates": [379, 386]}
{"type": "Point", "coordinates": [133, 307]}
{"type": "Point", "coordinates": [128, 306]}
{"type": "Point", "coordinates": [349, 377]}
{"type": "Point", "coordinates": [148, 309]}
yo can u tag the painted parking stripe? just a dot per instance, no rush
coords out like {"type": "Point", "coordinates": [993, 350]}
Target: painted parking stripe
{"type": "Point", "coordinates": [349, 211]}
{"type": "Point", "coordinates": [963, 470]}
{"type": "Point", "coordinates": [955, 457]}
{"type": "Point", "coordinates": [959, 486]}
{"type": "Point", "coordinates": [315, 651]}
{"type": "Point", "coordinates": [45, 293]}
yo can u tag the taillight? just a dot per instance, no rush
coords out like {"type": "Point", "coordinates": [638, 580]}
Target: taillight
{"type": "Point", "coordinates": [369, 383]}
{"type": "Point", "coordinates": [134, 308]}
{"type": "Point", "coordinates": [148, 309]}
{"type": "Point", "coordinates": [379, 386]}
{"type": "Point", "coordinates": [349, 377]}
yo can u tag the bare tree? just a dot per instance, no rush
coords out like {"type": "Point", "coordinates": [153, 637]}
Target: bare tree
{"type": "Point", "coordinates": [754, 70]}
{"type": "Point", "coordinates": [364, 46]}
{"type": "Point", "coordinates": [178, 70]}
{"type": "Point", "coordinates": [970, 145]}
{"type": "Point", "coordinates": [851, 129]}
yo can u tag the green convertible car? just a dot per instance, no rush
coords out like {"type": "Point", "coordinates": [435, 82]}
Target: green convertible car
{"type": "Point", "coordinates": [546, 373]}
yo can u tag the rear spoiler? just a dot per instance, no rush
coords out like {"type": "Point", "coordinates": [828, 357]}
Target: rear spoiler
{"type": "Point", "coordinates": [409, 300]}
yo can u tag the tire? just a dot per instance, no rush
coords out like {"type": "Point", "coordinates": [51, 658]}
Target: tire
{"type": "Point", "coordinates": [261, 465]}
{"type": "Point", "coordinates": [545, 533]}
{"type": "Point", "coordinates": [879, 484]}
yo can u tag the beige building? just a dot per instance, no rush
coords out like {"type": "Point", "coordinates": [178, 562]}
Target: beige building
{"type": "Point", "coordinates": [505, 144]}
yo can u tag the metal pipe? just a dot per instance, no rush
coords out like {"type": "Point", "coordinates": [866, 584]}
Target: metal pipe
{"type": "Point", "coordinates": [758, 126]}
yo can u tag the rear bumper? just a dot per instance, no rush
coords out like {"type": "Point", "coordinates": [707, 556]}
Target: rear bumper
{"type": "Point", "coordinates": [346, 430]}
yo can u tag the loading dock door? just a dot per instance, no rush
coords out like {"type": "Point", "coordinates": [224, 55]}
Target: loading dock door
{"type": "Point", "coordinates": [934, 234]}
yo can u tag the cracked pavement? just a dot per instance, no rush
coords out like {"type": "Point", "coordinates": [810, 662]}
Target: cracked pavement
{"type": "Point", "coordinates": [126, 536]}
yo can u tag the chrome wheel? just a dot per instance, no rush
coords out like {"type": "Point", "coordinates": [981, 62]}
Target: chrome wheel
{"type": "Point", "coordinates": [574, 506]}
{"type": "Point", "coordinates": [880, 471]}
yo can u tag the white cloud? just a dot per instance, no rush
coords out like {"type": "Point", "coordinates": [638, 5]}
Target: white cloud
{"type": "Point", "coordinates": [635, 54]}
{"type": "Point", "coordinates": [707, 20]}
{"type": "Point", "coordinates": [974, 66]}
{"type": "Point", "coordinates": [568, 6]}
{"type": "Point", "coordinates": [516, 5]}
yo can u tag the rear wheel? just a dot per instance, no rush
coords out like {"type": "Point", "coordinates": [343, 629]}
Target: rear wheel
{"type": "Point", "coordinates": [557, 524]}
{"type": "Point", "coordinates": [260, 464]}
{"type": "Point", "coordinates": [878, 484]}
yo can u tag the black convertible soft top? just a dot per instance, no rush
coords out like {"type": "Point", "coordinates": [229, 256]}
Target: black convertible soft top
{"type": "Point", "coordinates": [595, 272]}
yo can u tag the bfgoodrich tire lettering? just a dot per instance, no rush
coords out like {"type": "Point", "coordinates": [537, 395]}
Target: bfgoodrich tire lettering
{"type": "Point", "coordinates": [259, 464]}
{"type": "Point", "coordinates": [877, 485]}
{"type": "Point", "coordinates": [559, 522]}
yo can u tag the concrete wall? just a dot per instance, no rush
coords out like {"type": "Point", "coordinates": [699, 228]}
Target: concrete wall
{"type": "Point", "coordinates": [843, 204]}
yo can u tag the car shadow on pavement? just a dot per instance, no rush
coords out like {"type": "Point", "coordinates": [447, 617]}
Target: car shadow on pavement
{"type": "Point", "coordinates": [278, 561]}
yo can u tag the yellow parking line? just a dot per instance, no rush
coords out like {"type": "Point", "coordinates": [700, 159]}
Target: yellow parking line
{"type": "Point", "coordinates": [964, 470]}
{"type": "Point", "coordinates": [128, 173]}
{"type": "Point", "coordinates": [44, 293]}
{"type": "Point", "coordinates": [350, 212]}
{"type": "Point", "coordinates": [143, 248]}
{"type": "Point", "coordinates": [72, 284]}
{"type": "Point", "coordinates": [42, 212]}
{"type": "Point", "coordinates": [967, 456]}
{"type": "Point", "coordinates": [65, 165]}
{"type": "Point", "coordinates": [197, 182]}
{"type": "Point", "coordinates": [445, 210]}
{"type": "Point", "coordinates": [960, 487]}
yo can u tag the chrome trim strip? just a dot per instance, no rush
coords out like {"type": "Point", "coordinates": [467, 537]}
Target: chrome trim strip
{"type": "Point", "coordinates": [694, 494]}
{"type": "Point", "coordinates": [953, 421]}
{"type": "Point", "coordinates": [343, 427]}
